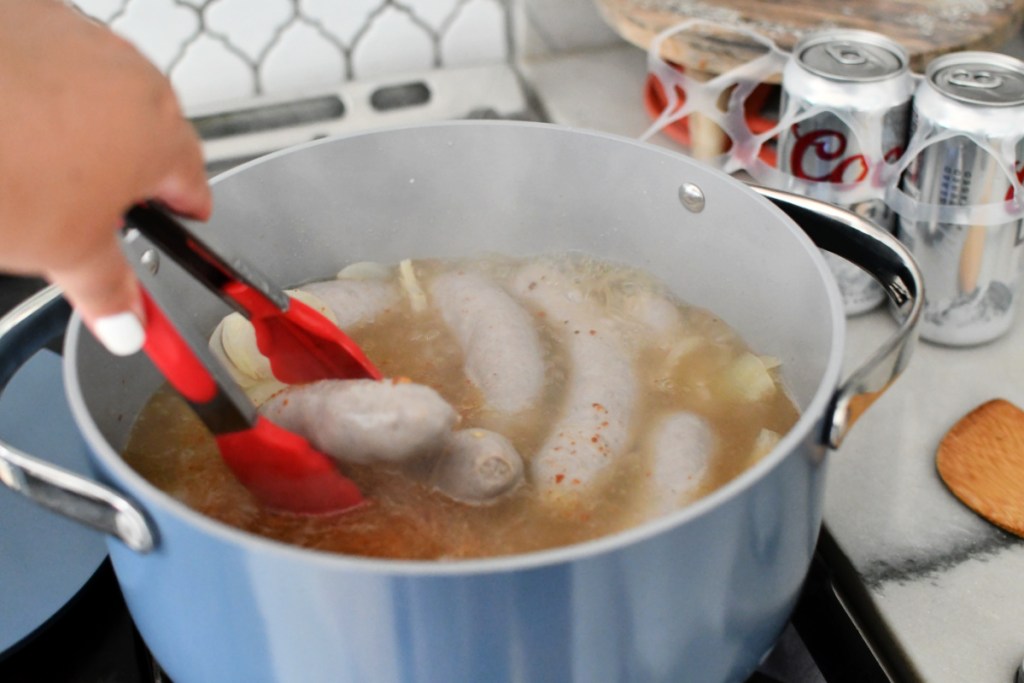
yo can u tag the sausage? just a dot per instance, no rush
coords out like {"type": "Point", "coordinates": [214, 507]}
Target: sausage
{"type": "Point", "coordinates": [362, 421]}
{"type": "Point", "coordinates": [681, 447]}
{"type": "Point", "coordinates": [502, 353]}
{"type": "Point", "coordinates": [477, 466]}
{"type": "Point", "coordinates": [355, 302]}
{"type": "Point", "coordinates": [591, 432]}
{"type": "Point", "coordinates": [366, 421]}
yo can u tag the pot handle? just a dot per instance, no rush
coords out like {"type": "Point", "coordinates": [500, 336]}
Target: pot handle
{"type": "Point", "coordinates": [859, 241]}
{"type": "Point", "coordinates": [23, 331]}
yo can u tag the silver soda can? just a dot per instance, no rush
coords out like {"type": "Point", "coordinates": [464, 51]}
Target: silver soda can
{"type": "Point", "coordinates": [866, 77]}
{"type": "Point", "coordinates": [970, 271]}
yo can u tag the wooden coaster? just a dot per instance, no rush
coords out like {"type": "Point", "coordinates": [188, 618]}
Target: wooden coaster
{"type": "Point", "coordinates": [981, 460]}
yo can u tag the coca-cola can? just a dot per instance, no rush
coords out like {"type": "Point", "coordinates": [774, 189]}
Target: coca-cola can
{"type": "Point", "coordinates": [966, 101]}
{"type": "Point", "coordinates": [865, 77]}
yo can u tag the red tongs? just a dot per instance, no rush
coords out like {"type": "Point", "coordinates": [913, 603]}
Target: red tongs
{"type": "Point", "coordinates": [280, 468]}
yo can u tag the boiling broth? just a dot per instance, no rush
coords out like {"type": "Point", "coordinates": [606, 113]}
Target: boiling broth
{"type": "Point", "coordinates": [695, 370]}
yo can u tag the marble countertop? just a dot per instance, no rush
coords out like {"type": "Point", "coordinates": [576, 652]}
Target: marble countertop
{"type": "Point", "coordinates": [947, 585]}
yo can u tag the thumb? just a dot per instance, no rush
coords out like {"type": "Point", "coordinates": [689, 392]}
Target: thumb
{"type": "Point", "coordinates": [103, 289]}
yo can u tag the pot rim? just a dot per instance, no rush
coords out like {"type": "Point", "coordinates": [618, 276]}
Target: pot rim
{"type": "Point", "coordinates": [140, 490]}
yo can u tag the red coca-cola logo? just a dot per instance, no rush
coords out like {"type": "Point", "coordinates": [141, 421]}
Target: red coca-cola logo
{"type": "Point", "coordinates": [1020, 179]}
{"type": "Point", "coordinates": [830, 146]}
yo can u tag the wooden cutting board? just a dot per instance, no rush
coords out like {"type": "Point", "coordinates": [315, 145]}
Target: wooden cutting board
{"type": "Point", "coordinates": [926, 28]}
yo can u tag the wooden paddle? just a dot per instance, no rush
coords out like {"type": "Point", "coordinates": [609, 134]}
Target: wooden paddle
{"type": "Point", "coordinates": [981, 460]}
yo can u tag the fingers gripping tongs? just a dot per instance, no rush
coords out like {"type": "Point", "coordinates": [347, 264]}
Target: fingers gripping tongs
{"type": "Point", "coordinates": [280, 468]}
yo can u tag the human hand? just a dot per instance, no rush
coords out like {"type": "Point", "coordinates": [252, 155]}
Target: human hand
{"type": "Point", "coordinates": [88, 128]}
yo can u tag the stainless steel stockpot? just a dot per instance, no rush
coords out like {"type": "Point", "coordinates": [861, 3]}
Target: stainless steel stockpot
{"type": "Point", "coordinates": [698, 595]}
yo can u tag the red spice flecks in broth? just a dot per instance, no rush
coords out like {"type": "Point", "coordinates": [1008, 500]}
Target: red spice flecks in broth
{"type": "Point", "coordinates": [701, 367]}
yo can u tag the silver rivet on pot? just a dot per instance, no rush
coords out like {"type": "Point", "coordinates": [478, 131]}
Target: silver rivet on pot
{"type": "Point", "coordinates": [150, 260]}
{"type": "Point", "coordinates": [692, 197]}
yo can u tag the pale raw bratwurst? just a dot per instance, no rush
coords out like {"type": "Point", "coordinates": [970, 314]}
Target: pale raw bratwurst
{"type": "Point", "coordinates": [531, 403]}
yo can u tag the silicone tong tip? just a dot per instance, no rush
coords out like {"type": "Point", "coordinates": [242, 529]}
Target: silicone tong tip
{"type": "Point", "coordinates": [302, 345]}
{"type": "Point", "coordinates": [285, 472]}
{"type": "Point", "coordinates": [281, 469]}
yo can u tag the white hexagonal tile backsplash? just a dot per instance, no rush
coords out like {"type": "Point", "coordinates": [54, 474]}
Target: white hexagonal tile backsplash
{"type": "Point", "coordinates": [221, 50]}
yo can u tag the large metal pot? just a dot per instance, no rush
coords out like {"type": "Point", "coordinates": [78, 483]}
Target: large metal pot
{"type": "Point", "coordinates": [699, 595]}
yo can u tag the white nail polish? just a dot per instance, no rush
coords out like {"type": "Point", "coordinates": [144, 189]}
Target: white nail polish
{"type": "Point", "coordinates": [121, 333]}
